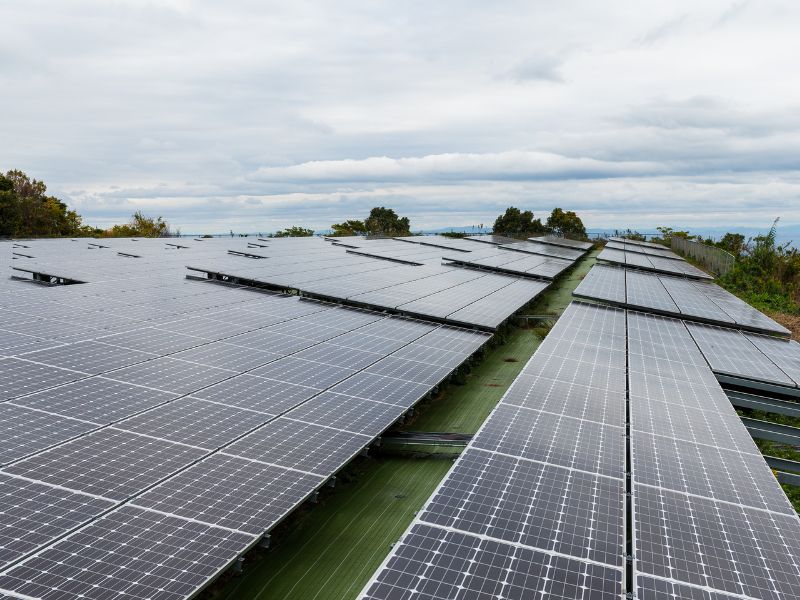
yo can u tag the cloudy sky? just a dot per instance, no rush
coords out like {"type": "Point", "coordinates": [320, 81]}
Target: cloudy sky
{"type": "Point", "coordinates": [254, 115]}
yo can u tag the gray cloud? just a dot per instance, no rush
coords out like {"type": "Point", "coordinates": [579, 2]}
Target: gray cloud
{"type": "Point", "coordinates": [257, 115]}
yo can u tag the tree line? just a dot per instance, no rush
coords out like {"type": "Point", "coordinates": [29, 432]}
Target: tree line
{"type": "Point", "coordinates": [513, 222]}
{"type": "Point", "coordinates": [26, 210]}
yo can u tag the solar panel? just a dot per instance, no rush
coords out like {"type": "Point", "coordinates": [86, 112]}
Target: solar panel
{"type": "Point", "coordinates": [171, 375]}
{"type": "Point", "coordinates": [304, 372]}
{"type": "Point", "coordinates": [339, 356]}
{"type": "Point", "coordinates": [730, 352]}
{"type": "Point", "coordinates": [346, 413]}
{"type": "Point", "coordinates": [257, 394]}
{"type": "Point", "coordinates": [557, 439]}
{"type": "Point", "coordinates": [33, 514]}
{"type": "Point", "coordinates": [410, 370]}
{"type": "Point", "coordinates": [437, 564]}
{"type": "Point", "coordinates": [227, 356]}
{"type": "Point", "coordinates": [108, 462]}
{"type": "Point", "coordinates": [13, 342]}
{"type": "Point", "coordinates": [96, 399]}
{"type": "Point", "coordinates": [20, 377]}
{"type": "Point", "coordinates": [156, 341]}
{"type": "Point", "coordinates": [195, 422]}
{"type": "Point", "coordinates": [232, 492]}
{"type": "Point", "coordinates": [89, 357]}
{"type": "Point", "coordinates": [560, 241]}
{"type": "Point", "coordinates": [144, 554]}
{"type": "Point", "coordinates": [784, 354]}
{"type": "Point", "coordinates": [25, 431]}
{"type": "Point", "coordinates": [603, 283]}
{"type": "Point", "coordinates": [301, 446]}
{"type": "Point", "coordinates": [385, 389]}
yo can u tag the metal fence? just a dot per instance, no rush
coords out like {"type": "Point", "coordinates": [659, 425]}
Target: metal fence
{"type": "Point", "coordinates": [712, 258]}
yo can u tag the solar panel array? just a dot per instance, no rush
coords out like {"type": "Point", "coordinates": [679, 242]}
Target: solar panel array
{"type": "Point", "coordinates": [709, 520]}
{"type": "Point", "coordinates": [645, 261]}
{"type": "Point", "coordinates": [674, 296]}
{"type": "Point", "coordinates": [315, 267]}
{"type": "Point", "coordinates": [155, 428]}
{"type": "Point", "coordinates": [445, 292]}
{"type": "Point", "coordinates": [536, 505]}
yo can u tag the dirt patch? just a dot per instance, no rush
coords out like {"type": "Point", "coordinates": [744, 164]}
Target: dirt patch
{"type": "Point", "coordinates": [510, 359]}
{"type": "Point", "coordinates": [492, 385]}
{"type": "Point", "coordinates": [791, 322]}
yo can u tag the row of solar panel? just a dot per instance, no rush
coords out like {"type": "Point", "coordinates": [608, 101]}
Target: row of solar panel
{"type": "Point", "coordinates": [708, 512]}
{"type": "Point", "coordinates": [663, 251]}
{"type": "Point", "coordinates": [537, 499]}
{"type": "Point", "coordinates": [539, 507]}
{"type": "Point", "coordinates": [658, 264]}
{"type": "Point", "coordinates": [674, 296]}
{"type": "Point", "coordinates": [422, 287]}
{"type": "Point", "coordinates": [243, 420]}
{"type": "Point", "coordinates": [457, 295]}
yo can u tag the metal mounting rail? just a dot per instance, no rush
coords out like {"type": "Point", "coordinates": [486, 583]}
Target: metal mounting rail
{"type": "Point", "coordinates": [764, 403]}
{"type": "Point", "coordinates": [426, 438]}
{"type": "Point", "coordinates": [787, 471]}
{"type": "Point", "coordinates": [766, 430]}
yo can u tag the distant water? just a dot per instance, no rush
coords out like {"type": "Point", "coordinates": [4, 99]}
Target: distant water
{"type": "Point", "coordinates": [789, 234]}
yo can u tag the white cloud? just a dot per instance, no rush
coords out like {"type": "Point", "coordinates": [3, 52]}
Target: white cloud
{"type": "Point", "coordinates": [252, 114]}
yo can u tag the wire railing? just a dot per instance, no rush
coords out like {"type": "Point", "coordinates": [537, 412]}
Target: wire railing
{"type": "Point", "coordinates": [712, 258]}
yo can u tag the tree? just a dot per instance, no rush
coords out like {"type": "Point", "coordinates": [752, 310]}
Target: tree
{"type": "Point", "coordinates": [517, 223]}
{"type": "Point", "coordinates": [141, 225]}
{"type": "Point", "coordinates": [294, 231]}
{"type": "Point", "coordinates": [667, 233]}
{"type": "Point", "coordinates": [385, 222]}
{"type": "Point", "coordinates": [349, 227]}
{"type": "Point", "coordinates": [566, 224]}
{"type": "Point", "coordinates": [26, 209]}
{"type": "Point", "coordinates": [733, 243]}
